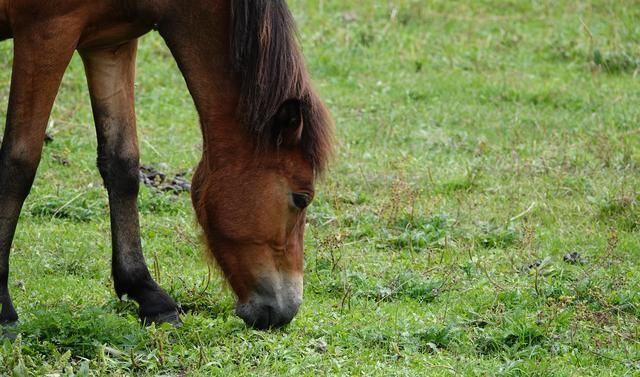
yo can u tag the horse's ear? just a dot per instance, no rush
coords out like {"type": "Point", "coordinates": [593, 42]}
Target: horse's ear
{"type": "Point", "coordinates": [288, 123]}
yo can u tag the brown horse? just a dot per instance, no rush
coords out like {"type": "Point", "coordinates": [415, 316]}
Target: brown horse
{"type": "Point", "coordinates": [266, 135]}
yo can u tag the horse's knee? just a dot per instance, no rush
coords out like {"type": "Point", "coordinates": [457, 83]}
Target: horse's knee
{"type": "Point", "coordinates": [18, 169]}
{"type": "Point", "coordinates": [22, 155]}
{"type": "Point", "coordinates": [120, 172]}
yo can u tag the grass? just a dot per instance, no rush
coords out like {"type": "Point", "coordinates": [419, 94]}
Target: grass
{"type": "Point", "coordinates": [480, 143]}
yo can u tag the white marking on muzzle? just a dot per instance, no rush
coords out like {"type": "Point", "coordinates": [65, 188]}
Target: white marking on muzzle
{"type": "Point", "coordinates": [282, 293]}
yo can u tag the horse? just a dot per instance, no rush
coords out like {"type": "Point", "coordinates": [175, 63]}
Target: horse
{"type": "Point", "coordinates": [267, 136]}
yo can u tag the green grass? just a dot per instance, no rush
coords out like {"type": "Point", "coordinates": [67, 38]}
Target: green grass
{"type": "Point", "coordinates": [480, 142]}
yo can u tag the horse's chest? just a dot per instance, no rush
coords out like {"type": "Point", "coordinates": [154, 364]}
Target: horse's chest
{"type": "Point", "coordinates": [110, 33]}
{"type": "Point", "coordinates": [5, 30]}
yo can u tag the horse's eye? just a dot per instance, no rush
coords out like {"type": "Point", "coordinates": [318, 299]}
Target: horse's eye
{"type": "Point", "coordinates": [301, 199]}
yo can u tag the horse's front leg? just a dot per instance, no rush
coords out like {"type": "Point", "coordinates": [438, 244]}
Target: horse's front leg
{"type": "Point", "coordinates": [41, 54]}
{"type": "Point", "coordinates": [110, 74]}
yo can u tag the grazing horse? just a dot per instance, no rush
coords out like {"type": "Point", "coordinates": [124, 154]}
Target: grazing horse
{"type": "Point", "coordinates": [266, 135]}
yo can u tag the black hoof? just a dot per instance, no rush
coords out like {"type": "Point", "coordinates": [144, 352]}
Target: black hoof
{"type": "Point", "coordinates": [171, 318]}
{"type": "Point", "coordinates": [9, 330]}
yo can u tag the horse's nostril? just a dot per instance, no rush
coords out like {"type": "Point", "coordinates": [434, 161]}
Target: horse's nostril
{"type": "Point", "coordinates": [272, 304]}
{"type": "Point", "coordinates": [264, 317]}
{"type": "Point", "coordinates": [271, 314]}
{"type": "Point", "coordinates": [257, 316]}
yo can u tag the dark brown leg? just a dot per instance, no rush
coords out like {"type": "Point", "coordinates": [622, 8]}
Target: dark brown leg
{"type": "Point", "coordinates": [110, 74]}
{"type": "Point", "coordinates": [38, 66]}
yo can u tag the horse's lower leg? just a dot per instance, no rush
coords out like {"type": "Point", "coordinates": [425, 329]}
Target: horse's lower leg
{"type": "Point", "coordinates": [110, 74]}
{"type": "Point", "coordinates": [33, 89]}
{"type": "Point", "coordinates": [16, 177]}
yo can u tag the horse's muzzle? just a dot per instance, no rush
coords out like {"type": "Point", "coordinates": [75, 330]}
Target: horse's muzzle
{"type": "Point", "coordinates": [274, 303]}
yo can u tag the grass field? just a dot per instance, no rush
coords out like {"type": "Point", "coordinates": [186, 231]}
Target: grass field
{"type": "Point", "coordinates": [482, 216]}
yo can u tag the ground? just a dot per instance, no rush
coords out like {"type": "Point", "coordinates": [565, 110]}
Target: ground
{"type": "Point", "coordinates": [482, 215]}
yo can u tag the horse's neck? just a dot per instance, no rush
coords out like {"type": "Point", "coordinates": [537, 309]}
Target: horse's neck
{"type": "Point", "coordinates": [200, 45]}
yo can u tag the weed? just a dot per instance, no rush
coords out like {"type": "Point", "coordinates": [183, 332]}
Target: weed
{"type": "Point", "coordinates": [435, 337]}
{"type": "Point", "coordinates": [82, 206]}
{"type": "Point", "coordinates": [421, 234]}
{"type": "Point", "coordinates": [623, 211]}
{"type": "Point", "coordinates": [497, 236]}
{"type": "Point", "coordinates": [616, 62]}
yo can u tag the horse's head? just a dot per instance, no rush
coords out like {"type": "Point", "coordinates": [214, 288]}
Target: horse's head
{"type": "Point", "coordinates": [267, 135]}
{"type": "Point", "coordinates": [252, 206]}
